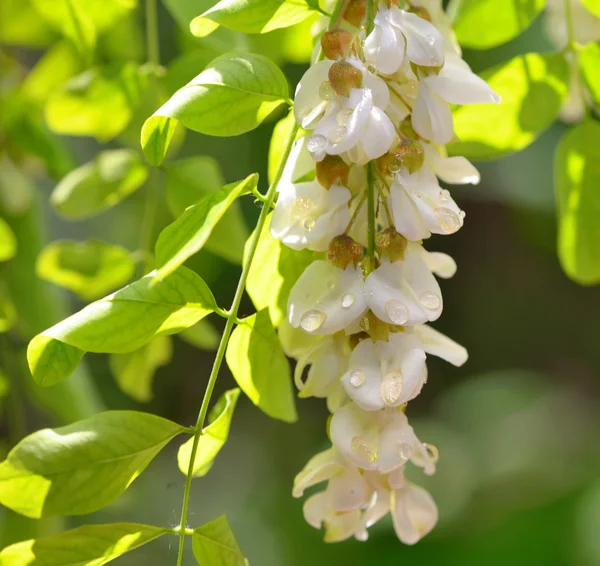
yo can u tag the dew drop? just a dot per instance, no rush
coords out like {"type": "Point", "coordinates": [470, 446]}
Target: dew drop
{"type": "Point", "coordinates": [397, 311]}
{"type": "Point", "coordinates": [362, 535]}
{"type": "Point", "coordinates": [431, 39]}
{"type": "Point", "coordinates": [405, 451]}
{"type": "Point", "coordinates": [337, 134]}
{"type": "Point", "coordinates": [357, 377]}
{"type": "Point", "coordinates": [312, 320]}
{"type": "Point", "coordinates": [395, 165]}
{"type": "Point", "coordinates": [430, 301]}
{"type": "Point", "coordinates": [391, 387]}
{"type": "Point", "coordinates": [363, 449]}
{"type": "Point", "coordinates": [444, 195]}
{"type": "Point", "coordinates": [316, 143]}
{"type": "Point", "coordinates": [331, 284]}
{"type": "Point", "coordinates": [326, 91]}
{"type": "Point", "coordinates": [301, 207]}
{"type": "Point", "coordinates": [432, 452]}
{"type": "Point", "coordinates": [448, 219]}
{"type": "Point", "coordinates": [309, 224]}
{"type": "Point", "coordinates": [348, 300]}
{"type": "Point", "coordinates": [343, 116]}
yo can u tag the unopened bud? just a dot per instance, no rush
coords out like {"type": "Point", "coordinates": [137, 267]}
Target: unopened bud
{"type": "Point", "coordinates": [391, 244]}
{"type": "Point", "coordinates": [407, 154]}
{"type": "Point", "coordinates": [375, 328]}
{"type": "Point", "coordinates": [336, 43]}
{"type": "Point", "coordinates": [355, 12]}
{"type": "Point", "coordinates": [343, 251]}
{"type": "Point", "coordinates": [344, 77]}
{"type": "Point", "coordinates": [421, 12]}
{"type": "Point", "coordinates": [332, 170]}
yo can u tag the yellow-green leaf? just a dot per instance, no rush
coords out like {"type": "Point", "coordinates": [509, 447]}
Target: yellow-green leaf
{"type": "Point", "coordinates": [589, 62]}
{"type": "Point", "coordinates": [8, 242]}
{"type": "Point", "coordinates": [214, 545]}
{"type": "Point", "coordinates": [593, 6]}
{"type": "Point", "coordinates": [202, 335]}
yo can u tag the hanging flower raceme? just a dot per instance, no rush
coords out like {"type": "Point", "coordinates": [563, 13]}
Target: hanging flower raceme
{"type": "Point", "coordinates": [376, 114]}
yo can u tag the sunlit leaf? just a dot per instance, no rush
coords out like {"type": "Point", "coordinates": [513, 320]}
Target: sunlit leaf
{"type": "Point", "coordinates": [578, 199]}
{"type": "Point", "coordinates": [589, 62]}
{"type": "Point", "coordinates": [109, 178]}
{"type": "Point", "coordinates": [482, 24]}
{"type": "Point", "coordinates": [81, 467]}
{"type": "Point", "coordinates": [213, 437]}
{"type": "Point", "coordinates": [92, 545]}
{"type": "Point", "coordinates": [188, 234]}
{"type": "Point", "coordinates": [187, 182]}
{"type": "Point", "coordinates": [120, 323]}
{"type": "Point", "coordinates": [16, 190]}
{"type": "Point", "coordinates": [233, 95]}
{"type": "Point", "coordinates": [20, 24]}
{"type": "Point", "coordinates": [202, 335]}
{"type": "Point", "coordinates": [274, 272]}
{"type": "Point", "coordinates": [8, 313]}
{"type": "Point", "coordinates": [257, 362]}
{"type": "Point", "coordinates": [134, 372]}
{"type": "Point", "coordinates": [281, 133]}
{"type": "Point", "coordinates": [252, 16]}
{"type": "Point", "coordinates": [593, 6]}
{"type": "Point", "coordinates": [214, 545]}
{"type": "Point", "coordinates": [90, 269]}
{"type": "Point", "coordinates": [8, 242]}
{"type": "Point", "coordinates": [533, 88]}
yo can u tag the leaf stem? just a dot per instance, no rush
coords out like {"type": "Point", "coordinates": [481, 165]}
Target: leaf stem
{"type": "Point", "coordinates": [371, 213]}
{"type": "Point", "coordinates": [570, 26]}
{"type": "Point", "coordinates": [152, 39]}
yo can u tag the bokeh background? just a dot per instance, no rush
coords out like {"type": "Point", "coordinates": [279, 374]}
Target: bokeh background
{"type": "Point", "coordinates": [518, 427]}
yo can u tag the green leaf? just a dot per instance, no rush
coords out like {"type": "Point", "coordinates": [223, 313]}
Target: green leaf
{"type": "Point", "coordinates": [273, 273]}
{"type": "Point", "coordinates": [16, 189]}
{"type": "Point", "coordinates": [134, 372]}
{"type": "Point", "coordinates": [120, 323]}
{"type": "Point", "coordinates": [188, 234]}
{"type": "Point", "coordinates": [213, 437]}
{"type": "Point", "coordinates": [593, 6]}
{"type": "Point", "coordinates": [92, 545]}
{"type": "Point", "coordinates": [589, 62]}
{"type": "Point", "coordinates": [577, 179]}
{"type": "Point", "coordinates": [8, 313]}
{"type": "Point", "coordinates": [232, 96]}
{"type": "Point", "coordinates": [252, 16]}
{"type": "Point", "coordinates": [533, 87]}
{"type": "Point", "coordinates": [8, 242]}
{"type": "Point", "coordinates": [90, 269]}
{"type": "Point", "coordinates": [82, 467]}
{"type": "Point", "coordinates": [281, 133]}
{"type": "Point", "coordinates": [501, 21]}
{"type": "Point", "coordinates": [21, 25]}
{"type": "Point", "coordinates": [259, 366]}
{"type": "Point", "coordinates": [92, 188]}
{"type": "Point", "coordinates": [187, 182]}
{"type": "Point", "coordinates": [214, 545]}
{"type": "Point", "coordinates": [202, 335]}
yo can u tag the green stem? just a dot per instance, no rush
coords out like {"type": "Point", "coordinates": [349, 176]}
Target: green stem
{"type": "Point", "coordinates": [570, 26]}
{"type": "Point", "coordinates": [371, 214]}
{"type": "Point", "coordinates": [152, 40]}
{"type": "Point", "coordinates": [370, 16]}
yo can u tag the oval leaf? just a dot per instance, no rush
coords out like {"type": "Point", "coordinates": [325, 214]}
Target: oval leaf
{"type": "Point", "coordinates": [593, 6]}
{"type": "Point", "coordinates": [533, 88]}
{"type": "Point", "coordinates": [82, 467]}
{"type": "Point", "coordinates": [259, 366]}
{"type": "Point", "coordinates": [578, 199]}
{"type": "Point", "coordinates": [92, 545]}
{"type": "Point", "coordinates": [188, 234]}
{"type": "Point", "coordinates": [232, 96]}
{"type": "Point", "coordinates": [214, 545]}
{"type": "Point", "coordinates": [213, 437]}
{"type": "Point", "coordinates": [589, 61]}
{"type": "Point", "coordinates": [107, 180]}
{"type": "Point", "coordinates": [502, 21]}
{"type": "Point", "coordinates": [89, 269]}
{"type": "Point", "coordinates": [252, 16]}
{"type": "Point", "coordinates": [120, 323]}
{"type": "Point", "coordinates": [8, 242]}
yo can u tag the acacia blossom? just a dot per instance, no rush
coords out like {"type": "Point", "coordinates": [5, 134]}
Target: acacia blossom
{"type": "Point", "coordinates": [362, 189]}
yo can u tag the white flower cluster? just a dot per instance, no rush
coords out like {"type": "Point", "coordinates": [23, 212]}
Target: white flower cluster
{"type": "Point", "coordinates": [376, 113]}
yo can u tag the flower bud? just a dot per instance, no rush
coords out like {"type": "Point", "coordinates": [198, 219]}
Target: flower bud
{"type": "Point", "coordinates": [344, 77]}
{"type": "Point", "coordinates": [407, 154]}
{"type": "Point", "coordinates": [375, 328]}
{"type": "Point", "coordinates": [391, 244]}
{"type": "Point", "coordinates": [343, 251]}
{"type": "Point", "coordinates": [333, 170]}
{"type": "Point", "coordinates": [336, 43]}
{"type": "Point", "coordinates": [356, 12]}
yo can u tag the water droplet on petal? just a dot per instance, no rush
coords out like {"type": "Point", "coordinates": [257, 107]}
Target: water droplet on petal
{"type": "Point", "coordinates": [348, 300]}
{"type": "Point", "coordinates": [395, 165]}
{"type": "Point", "coordinates": [431, 39]}
{"type": "Point", "coordinates": [357, 377]}
{"type": "Point", "coordinates": [448, 219]}
{"type": "Point", "coordinates": [337, 134]}
{"type": "Point", "coordinates": [363, 449]}
{"type": "Point", "coordinates": [309, 224]}
{"type": "Point", "coordinates": [430, 301]}
{"type": "Point", "coordinates": [301, 208]}
{"type": "Point", "coordinates": [316, 143]}
{"type": "Point", "coordinates": [405, 451]}
{"type": "Point", "coordinates": [444, 195]}
{"type": "Point", "coordinates": [361, 535]}
{"type": "Point", "coordinates": [343, 116]}
{"type": "Point", "coordinates": [432, 451]}
{"type": "Point", "coordinates": [312, 320]}
{"type": "Point", "coordinates": [331, 284]}
{"type": "Point", "coordinates": [326, 91]}
{"type": "Point", "coordinates": [397, 311]}
{"type": "Point", "coordinates": [391, 387]}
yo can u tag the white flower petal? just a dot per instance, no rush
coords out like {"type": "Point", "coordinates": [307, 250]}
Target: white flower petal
{"type": "Point", "coordinates": [408, 220]}
{"type": "Point", "coordinates": [414, 513]}
{"type": "Point", "coordinates": [439, 345]}
{"type": "Point", "coordinates": [439, 263]}
{"type": "Point", "coordinates": [308, 104]}
{"type": "Point", "coordinates": [456, 170]}
{"type": "Point", "coordinates": [378, 135]}
{"type": "Point", "coordinates": [319, 468]}
{"type": "Point", "coordinates": [348, 491]}
{"type": "Point", "coordinates": [384, 47]}
{"type": "Point", "coordinates": [327, 365]}
{"type": "Point", "coordinates": [431, 117]}
{"type": "Point", "coordinates": [316, 509]}
{"type": "Point", "coordinates": [341, 526]}
{"type": "Point", "coordinates": [424, 43]}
